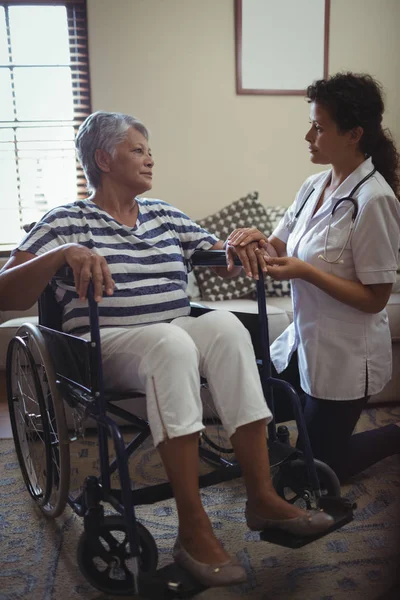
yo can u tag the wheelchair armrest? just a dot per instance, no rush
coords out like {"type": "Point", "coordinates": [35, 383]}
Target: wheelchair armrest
{"type": "Point", "coordinates": [211, 258]}
{"type": "Point", "coordinates": [200, 258]}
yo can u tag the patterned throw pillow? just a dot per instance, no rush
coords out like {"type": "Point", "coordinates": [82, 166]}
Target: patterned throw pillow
{"type": "Point", "coordinates": [245, 212]}
{"type": "Point", "coordinates": [272, 286]}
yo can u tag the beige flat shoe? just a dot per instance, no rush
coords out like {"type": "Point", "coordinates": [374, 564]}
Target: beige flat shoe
{"type": "Point", "coordinates": [311, 523]}
{"type": "Point", "coordinates": [227, 573]}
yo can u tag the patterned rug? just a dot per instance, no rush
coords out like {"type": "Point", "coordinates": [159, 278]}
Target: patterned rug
{"type": "Point", "coordinates": [360, 561]}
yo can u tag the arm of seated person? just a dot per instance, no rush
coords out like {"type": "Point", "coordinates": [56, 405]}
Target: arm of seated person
{"type": "Point", "coordinates": [24, 277]}
{"type": "Point", "coordinates": [225, 272]}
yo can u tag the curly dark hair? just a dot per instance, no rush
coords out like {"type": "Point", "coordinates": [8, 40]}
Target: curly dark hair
{"type": "Point", "coordinates": [356, 100]}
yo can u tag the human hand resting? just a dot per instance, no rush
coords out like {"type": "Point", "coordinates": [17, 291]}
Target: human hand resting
{"type": "Point", "coordinates": [250, 257]}
{"type": "Point", "coordinates": [286, 267]}
{"type": "Point", "coordinates": [87, 265]}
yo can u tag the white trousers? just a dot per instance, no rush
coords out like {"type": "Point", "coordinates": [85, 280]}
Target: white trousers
{"type": "Point", "coordinates": [165, 361]}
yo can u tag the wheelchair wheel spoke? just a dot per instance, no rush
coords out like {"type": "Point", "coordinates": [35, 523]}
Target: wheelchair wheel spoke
{"type": "Point", "coordinates": [113, 542]}
{"type": "Point", "coordinates": [31, 395]}
{"type": "Point", "coordinates": [128, 573]}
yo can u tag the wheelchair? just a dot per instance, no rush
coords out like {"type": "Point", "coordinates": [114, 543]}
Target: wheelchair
{"type": "Point", "coordinates": [50, 373]}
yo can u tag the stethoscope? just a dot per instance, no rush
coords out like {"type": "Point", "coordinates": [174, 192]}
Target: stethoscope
{"type": "Point", "coordinates": [292, 223]}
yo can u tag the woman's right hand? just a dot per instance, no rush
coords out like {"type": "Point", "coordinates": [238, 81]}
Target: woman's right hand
{"type": "Point", "coordinates": [88, 265]}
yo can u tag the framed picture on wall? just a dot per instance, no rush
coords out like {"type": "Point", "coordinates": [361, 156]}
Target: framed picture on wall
{"type": "Point", "coordinates": [281, 45]}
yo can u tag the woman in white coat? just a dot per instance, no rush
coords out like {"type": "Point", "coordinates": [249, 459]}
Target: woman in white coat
{"type": "Point", "coordinates": [338, 244]}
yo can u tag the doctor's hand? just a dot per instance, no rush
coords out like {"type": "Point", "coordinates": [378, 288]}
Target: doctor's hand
{"type": "Point", "coordinates": [286, 267]}
{"type": "Point", "coordinates": [245, 235]}
{"type": "Point", "coordinates": [250, 257]}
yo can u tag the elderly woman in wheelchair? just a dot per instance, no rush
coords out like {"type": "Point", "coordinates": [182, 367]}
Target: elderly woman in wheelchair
{"type": "Point", "coordinates": [134, 251]}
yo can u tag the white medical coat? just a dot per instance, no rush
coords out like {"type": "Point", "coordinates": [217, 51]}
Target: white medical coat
{"type": "Point", "coordinates": [343, 353]}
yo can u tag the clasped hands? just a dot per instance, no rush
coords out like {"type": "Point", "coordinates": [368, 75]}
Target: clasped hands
{"type": "Point", "coordinates": [254, 252]}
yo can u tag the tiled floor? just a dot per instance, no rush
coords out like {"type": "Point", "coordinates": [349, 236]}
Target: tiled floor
{"type": "Point", "coordinates": [5, 426]}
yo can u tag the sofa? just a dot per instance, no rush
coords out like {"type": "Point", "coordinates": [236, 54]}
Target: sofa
{"type": "Point", "coordinates": [239, 294]}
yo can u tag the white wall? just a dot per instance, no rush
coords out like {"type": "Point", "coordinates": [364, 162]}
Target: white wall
{"type": "Point", "coordinates": [172, 64]}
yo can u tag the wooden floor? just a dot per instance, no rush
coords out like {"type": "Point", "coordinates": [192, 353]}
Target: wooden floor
{"type": "Point", "coordinates": [5, 426]}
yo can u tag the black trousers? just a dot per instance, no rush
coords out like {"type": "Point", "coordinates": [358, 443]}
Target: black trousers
{"type": "Point", "coordinates": [330, 425]}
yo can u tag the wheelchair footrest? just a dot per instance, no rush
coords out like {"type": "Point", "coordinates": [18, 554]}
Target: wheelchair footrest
{"type": "Point", "coordinates": [168, 583]}
{"type": "Point", "coordinates": [340, 509]}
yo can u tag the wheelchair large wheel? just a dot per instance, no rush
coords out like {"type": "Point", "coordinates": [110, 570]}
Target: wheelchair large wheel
{"type": "Point", "coordinates": [24, 400]}
{"type": "Point", "coordinates": [108, 568]}
{"type": "Point", "coordinates": [214, 438]}
{"type": "Point", "coordinates": [291, 482]}
{"type": "Point", "coordinates": [29, 422]}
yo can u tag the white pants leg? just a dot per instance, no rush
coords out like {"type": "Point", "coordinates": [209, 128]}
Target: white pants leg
{"type": "Point", "coordinates": [165, 361]}
{"type": "Point", "coordinates": [228, 363]}
{"type": "Point", "coordinates": [162, 361]}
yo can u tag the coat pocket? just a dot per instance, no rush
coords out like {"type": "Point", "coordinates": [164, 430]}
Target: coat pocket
{"type": "Point", "coordinates": [342, 357]}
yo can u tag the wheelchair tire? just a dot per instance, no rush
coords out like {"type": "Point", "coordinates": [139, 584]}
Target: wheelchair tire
{"type": "Point", "coordinates": [110, 573]}
{"type": "Point", "coordinates": [291, 482]}
{"type": "Point", "coordinates": [29, 424]}
{"type": "Point", "coordinates": [58, 473]}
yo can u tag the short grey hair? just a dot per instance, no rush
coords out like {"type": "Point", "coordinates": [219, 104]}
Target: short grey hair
{"type": "Point", "coordinates": [103, 130]}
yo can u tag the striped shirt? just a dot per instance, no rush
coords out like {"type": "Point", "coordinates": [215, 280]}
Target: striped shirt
{"type": "Point", "coordinates": [148, 262]}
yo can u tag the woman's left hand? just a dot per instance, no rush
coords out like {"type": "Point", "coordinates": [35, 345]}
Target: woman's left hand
{"type": "Point", "coordinates": [286, 267]}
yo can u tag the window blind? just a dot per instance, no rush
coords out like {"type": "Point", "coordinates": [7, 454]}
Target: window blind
{"type": "Point", "coordinates": [44, 97]}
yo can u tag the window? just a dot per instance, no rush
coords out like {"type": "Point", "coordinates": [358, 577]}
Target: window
{"type": "Point", "coordinates": [44, 97]}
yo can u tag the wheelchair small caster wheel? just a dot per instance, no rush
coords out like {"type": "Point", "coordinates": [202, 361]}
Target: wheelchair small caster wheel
{"type": "Point", "coordinates": [292, 482]}
{"type": "Point", "coordinates": [109, 569]}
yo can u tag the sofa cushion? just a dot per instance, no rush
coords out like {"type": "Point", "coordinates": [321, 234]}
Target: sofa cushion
{"type": "Point", "coordinates": [245, 212]}
{"type": "Point", "coordinates": [278, 319]}
{"type": "Point", "coordinates": [192, 290]}
{"type": "Point", "coordinates": [6, 315]}
{"type": "Point", "coordinates": [7, 332]}
{"type": "Point", "coordinates": [282, 302]}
